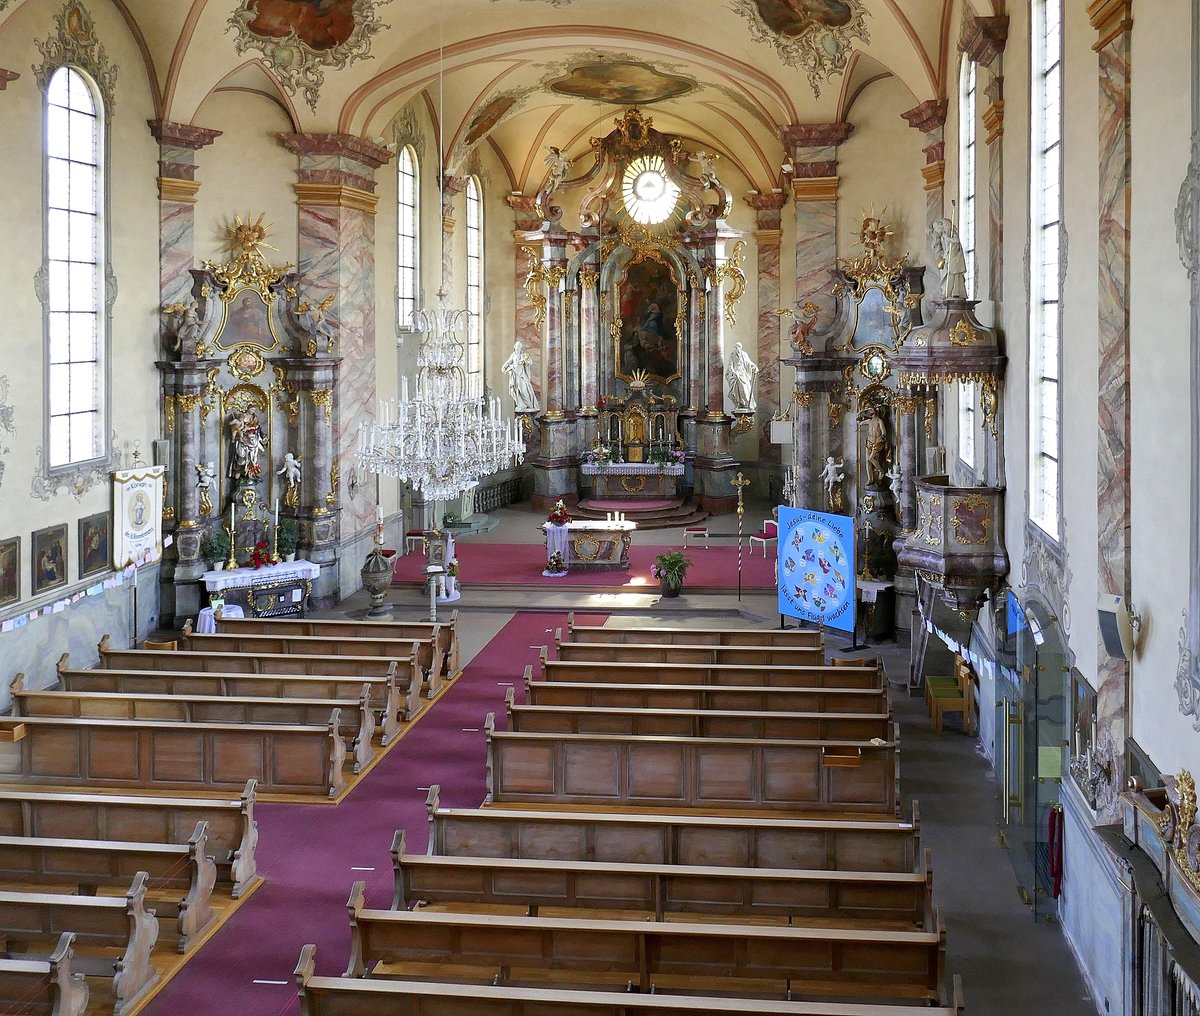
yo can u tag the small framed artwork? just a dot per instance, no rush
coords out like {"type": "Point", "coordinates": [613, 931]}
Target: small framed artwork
{"type": "Point", "coordinates": [48, 558]}
{"type": "Point", "coordinates": [94, 540]}
{"type": "Point", "coordinates": [10, 570]}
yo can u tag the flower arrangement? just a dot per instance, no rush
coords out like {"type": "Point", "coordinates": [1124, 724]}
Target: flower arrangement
{"type": "Point", "coordinates": [556, 562]}
{"type": "Point", "coordinates": [671, 567]}
{"type": "Point", "coordinates": [260, 556]}
{"type": "Point", "coordinates": [288, 536]}
{"type": "Point", "coordinates": [214, 544]}
{"type": "Point", "coordinates": [452, 568]}
{"type": "Point", "coordinates": [559, 516]}
{"type": "Point", "coordinates": [600, 455]}
{"type": "Point", "coordinates": [664, 456]}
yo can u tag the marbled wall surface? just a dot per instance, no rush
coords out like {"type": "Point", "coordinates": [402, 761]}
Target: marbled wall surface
{"type": "Point", "coordinates": [816, 253]}
{"type": "Point", "coordinates": [768, 340]}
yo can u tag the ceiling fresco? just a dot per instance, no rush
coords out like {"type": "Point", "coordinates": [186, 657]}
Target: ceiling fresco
{"type": "Point", "coordinates": [623, 82]}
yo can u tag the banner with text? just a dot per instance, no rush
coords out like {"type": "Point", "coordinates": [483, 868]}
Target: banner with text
{"type": "Point", "coordinates": [816, 567]}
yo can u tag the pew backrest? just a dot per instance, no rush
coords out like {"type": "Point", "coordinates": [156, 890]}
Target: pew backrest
{"type": "Point", "coordinates": [44, 987]}
{"type": "Point", "coordinates": [649, 652]}
{"type": "Point", "coordinates": [673, 672]}
{"type": "Point", "coordinates": [614, 631]}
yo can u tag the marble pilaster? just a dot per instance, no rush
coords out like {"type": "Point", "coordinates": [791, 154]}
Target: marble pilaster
{"type": "Point", "coordinates": [589, 335]}
{"type": "Point", "coordinates": [526, 222]}
{"type": "Point", "coordinates": [768, 209]}
{"type": "Point", "coordinates": [554, 267]}
{"type": "Point", "coordinates": [697, 306]}
{"type": "Point", "coordinates": [714, 331]}
{"type": "Point", "coordinates": [930, 119]}
{"type": "Point", "coordinates": [1112, 19]}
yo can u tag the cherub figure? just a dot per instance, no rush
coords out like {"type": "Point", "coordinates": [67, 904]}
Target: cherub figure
{"type": "Point", "coordinates": [186, 327]}
{"type": "Point", "coordinates": [314, 321]}
{"type": "Point", "coordinates": [290, 471]}
{"type": "Point", "coordinates": [206, 473]}
{"type": "Point", "coordinates": [832, 474]}
{"type": "Point", "coordinates": [708, 169]}
{"type": "Point", "coordinates": [806, 321]}
{"type": "Point", "coordinates": [559, 166]}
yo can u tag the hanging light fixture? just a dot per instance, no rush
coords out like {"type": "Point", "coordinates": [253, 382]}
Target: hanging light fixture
{"type": "Point", "coordinates": [444, 436]}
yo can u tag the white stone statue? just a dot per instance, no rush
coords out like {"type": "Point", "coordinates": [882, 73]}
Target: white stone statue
{"type": "Point", "coordinates": [206, 473]}
{"type": "Point", "coordinates": [949, 257]}
{"type": "Point", "coordinates": [559, 165]}
{"type": "Point", "coordinates": [290, 471]}
{"type": "Point", "coordinates": [831, 474]}
{"type": "Point", "coordinates": [742, 373]}
{"type": "Point", "coordinates": [895, 475]}
{"type": "Point", "coordinates": [187, 324]}
{"type": "Point", "coordinates": [520, 384]}
{"type": "Point", "coordinates": [314, 321]}
{"type": "Point", "coordinates": [708, 169]}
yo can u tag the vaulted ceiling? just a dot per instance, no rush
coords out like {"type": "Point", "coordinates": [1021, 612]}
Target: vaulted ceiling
{"type": "Point", "coordinates": [519, 75]}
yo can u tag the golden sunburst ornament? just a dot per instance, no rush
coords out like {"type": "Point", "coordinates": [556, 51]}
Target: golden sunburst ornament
{"type": "Point", "coordinates": [248, 238]}
{"type": "Point", "coordinates": [874, 232]}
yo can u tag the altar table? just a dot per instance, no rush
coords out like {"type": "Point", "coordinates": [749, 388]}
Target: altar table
{"type": "Point", "coordinates": [592, 544]}
{"type": "Point", "coordinates": [633, 480]}
{"type": "Point", "coordinates": [278, 590]}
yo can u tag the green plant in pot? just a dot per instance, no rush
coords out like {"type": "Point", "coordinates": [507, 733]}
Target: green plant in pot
{"type": "Point", "coordinates": [669, 569]}
{"type": "Point", "coordinates": [214, 546]}
{"type": "Point", "coordinates": [287, 538]}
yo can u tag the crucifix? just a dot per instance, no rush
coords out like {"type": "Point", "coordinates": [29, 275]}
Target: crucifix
{"type": "Point", "coordinates": [740, 482]}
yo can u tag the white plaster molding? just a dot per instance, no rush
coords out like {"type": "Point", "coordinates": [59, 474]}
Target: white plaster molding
{"type": "Point", "coordinates": [75, 482]}
{"type": "Point", "coordinates": [74, 44]}
{"type": "Point", "coordinates": [7, 421]}
{"type": "Point", "coordinates": [1046, 571]}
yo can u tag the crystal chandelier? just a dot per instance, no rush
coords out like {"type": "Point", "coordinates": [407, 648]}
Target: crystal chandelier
{"type": "Point", "coordinates": [444, 436]}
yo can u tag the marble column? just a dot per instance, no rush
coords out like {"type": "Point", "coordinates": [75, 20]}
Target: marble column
{"type": "Point", "coordinates": [589, 334]}
{"type": "Point", "coordinates": [930, 119]}
{"type": "Point", "coordinates": [555, 268]}
{"type": "Point", "coordinates": [1113, 22]}
{"type": "Point", "coordinates": [803, 402]}
{"type": "Point", "coordinates": [767, 210]}
{"type": "Point", "coordinates": [905, 405]}
{"type": "Point", "coordinates": [714, 330]}
{"type": "Point", "coordinates": [335, 192]}
{"type": "Point", "coordinates": [812, 151]}
{"type": "Point", "coordinates": [526, 237]}
{"type": "Point", "coordinates": [697, 308]}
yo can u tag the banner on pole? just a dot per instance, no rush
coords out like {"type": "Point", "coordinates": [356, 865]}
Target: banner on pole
{"type": "Point", "coordinates": [816, 567]}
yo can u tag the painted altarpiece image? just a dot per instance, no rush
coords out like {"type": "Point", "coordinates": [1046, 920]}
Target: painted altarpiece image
{"type": "Point", "coordinates": [648, 335]}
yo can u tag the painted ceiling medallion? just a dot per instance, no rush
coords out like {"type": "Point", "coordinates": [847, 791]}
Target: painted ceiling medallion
{"type": "Point", "coordinates": [813, 35]}
{"type": "Point", "coordinates": [627, 83]}
{"type": "Point", "coordinates": [301, 38]}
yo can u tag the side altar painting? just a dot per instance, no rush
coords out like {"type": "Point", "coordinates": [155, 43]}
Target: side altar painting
{"type": "Point", "coordinates": [648, 339]}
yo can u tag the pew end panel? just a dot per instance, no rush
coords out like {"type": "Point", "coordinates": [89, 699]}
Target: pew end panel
{"type": "Point", "coordinates": [195, 910]}
{"type": "Point", "coordinates": [134, 974]}
{"type": "Point", "coordinates": [489, 733]}
{"type": "Point", "coordinates": [48, 986]}
{"type": "Point", "coordinates": [357, 966]}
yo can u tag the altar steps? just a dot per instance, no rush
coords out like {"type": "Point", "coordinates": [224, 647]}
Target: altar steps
{"type": "Point", "coordinates": [665, 514]}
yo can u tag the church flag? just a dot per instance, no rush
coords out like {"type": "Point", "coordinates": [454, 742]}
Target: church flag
{"type": "Point", "coordinates": [816, 567]}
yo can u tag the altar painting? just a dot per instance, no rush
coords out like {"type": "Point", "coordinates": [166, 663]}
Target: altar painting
{"type": "Point", "coordinates": [648, 335]}
{"type": "Point", "coordinates": [247, 322]}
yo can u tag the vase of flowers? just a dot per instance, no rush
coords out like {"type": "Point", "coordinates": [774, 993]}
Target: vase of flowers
{"type": "Point", "coordinates": [669, 569]}
{"type": "Point", "coordinates": [260, 556]}
{"type": "Point", "coordinates": [559, 516]}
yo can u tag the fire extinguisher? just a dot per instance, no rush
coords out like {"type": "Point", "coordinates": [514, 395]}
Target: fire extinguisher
{"type": "Point", "coordinates": [1054, 848]}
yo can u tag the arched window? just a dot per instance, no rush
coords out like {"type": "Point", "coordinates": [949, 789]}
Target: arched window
{"type": "Point", "coordinates": [966, 168]}
{"type": "Point", "coordinates": [75, 286]}
{"type": "Point", "coordinates": [1045, 265]}
{"type": "Point", "coordinates": [474, 281]}
{"type": "Point", "coordinates": [408, 223]}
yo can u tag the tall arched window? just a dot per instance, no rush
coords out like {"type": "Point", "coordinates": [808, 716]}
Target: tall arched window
{"type": "Point", "coordinates": [1045, 266]}
{"type": "Point", "coordinates": [408, 222]}
{"type": "Point", "coordinates": [75, 287]}
{"type": "Point", "coordinates": [966, 168]}
{"type": "Point", "coordinates": [474, 280]}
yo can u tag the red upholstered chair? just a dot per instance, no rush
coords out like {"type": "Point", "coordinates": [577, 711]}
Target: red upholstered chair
{"type": "Point", "coordinates": [413, 540]}
{"type": "Point", "coordinates": [768, 534]}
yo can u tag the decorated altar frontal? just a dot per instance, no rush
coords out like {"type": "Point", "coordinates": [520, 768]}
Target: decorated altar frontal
{"type": "Point", "coordinates": [591, 545]}
{"type": "Point", "coordinates": [277, 590]}
{"type": "Point", "coordinates": [633, 480]}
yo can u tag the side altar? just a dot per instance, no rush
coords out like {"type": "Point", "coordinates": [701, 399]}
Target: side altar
{"type": "Point", "coordinates": [591, 545]}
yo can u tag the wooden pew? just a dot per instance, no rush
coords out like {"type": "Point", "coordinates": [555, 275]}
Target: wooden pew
{"type": "Point", "coordinates": [700, 696]}
{"type": "Point", "coordinates": [232, 831]}
{"type": "Point", "coordinates": [152, 755]}
{"type": "Point", "coordinates": [443, 633]}
{"type": "Point", "coordinates": [352, 996]}
{"type": "Point", "coordinates": [649, 652]}
{"type": "Point", "coordinates": [426, 658]}
{"type": "Point", "coordinates": [771, 775]}
{"type": "Point", "coordinates": [86, 864]}
{"type": "Point", "coordinates": [857, 962]}
{"type": "Point", "coordinates": [874, 844]}
{"type": "Point", "coordinates": [904, 899]}
{"type": "Point", "coordinates": [115, 924]}
{"type": "Point", "coordinates": [740, 675]}
{"type": "Point", "coordinates": [44, 987]}
{"type": "Point", "coordinates": [614, 632]}
{"type": "Point", "coordinates": [395, 686]}
{"type": "Point", "coordinates": [694, 722]}
{"type": "Point", "coordinates": [357, 716]}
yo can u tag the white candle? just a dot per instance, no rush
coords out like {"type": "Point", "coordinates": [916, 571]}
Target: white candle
{"type": "Point", "coordinates": [276, 513]}
{"type": "Point", "coordinates": [379, 515]}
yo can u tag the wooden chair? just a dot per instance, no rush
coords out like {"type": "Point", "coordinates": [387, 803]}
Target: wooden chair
{"type": "Point", "coordinates": [768, 534]}
{"type": "Point", "coordinates": [959, 698]}
{"type": "Point", "coordinates": [165, 646]}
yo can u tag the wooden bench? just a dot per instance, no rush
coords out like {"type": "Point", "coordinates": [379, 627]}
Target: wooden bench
{"type": "Point", "coordinates": [154, 755]}
{"type": "Point", "coordinates": [86, 864]}
{"type": "Point", "coordinates": [357, 716]}
{"type": "Point", "coordinates": [426, 658]}
{"type": "Point", "coordinates": [773, 775]}
{"type": "Point", "coordinates": [648, 652]}
{"type": "Point", "coordinates": [632, 672]}
{"type": "Point", "coordinates": [120, 926]}
{"type": "Point", "coordinates": [615, 632]}
{"type": "Point", "coordinates": [694, 722]}
{"type": "Point", "coordinates": [395, 688]}
{"type": "Point", "coordinates": [352, 996]}
{"type": "Point", "coordinates": [443, 633]}
{"type": "Point", "coordinates": [46, 987]}
{"type": "Point", "coordinates": [232, 831]}
{"type": "Point", "coordinates": [700, 696]}
{"type": "Point", "coordinates": [893, 964]}
{"type": "Point", "coordinates": [904, 899]}
{"type": "Point", "coordinates": [869, 844]}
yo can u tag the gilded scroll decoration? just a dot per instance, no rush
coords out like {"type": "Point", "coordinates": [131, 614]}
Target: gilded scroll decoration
{"type": "Point", "coordinates": [535, 279]}
{"type": "Point", "coordinates": [732, 270]}
{"type": "Point", "coordinates": [249, 268]}
{"type": "Point", "coordinates": [963, 333]}
{"type": "Point", "coordinates": [322, 398]}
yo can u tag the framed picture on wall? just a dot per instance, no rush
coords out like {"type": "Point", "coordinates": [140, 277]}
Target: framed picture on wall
{"type": "Point", "coordinates": [48, 558]}
{"type": "Point", "coordinates": [94, 544]}
{"type": "Point", "coordinates": [10, 570]}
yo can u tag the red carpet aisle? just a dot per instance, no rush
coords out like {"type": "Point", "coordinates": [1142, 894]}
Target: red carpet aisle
{"type": "Point", "coordinates": [310, 854]}
{"type": "Point", "coordinates": [522, 563]}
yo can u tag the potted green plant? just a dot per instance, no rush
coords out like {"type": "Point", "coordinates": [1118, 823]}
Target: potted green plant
{"type": "Point", "coordinates": [287, 538]}
{"type": "Point", "coordinates": [214, 546]}
{"type": "Point", "coordinates": [669, 569]}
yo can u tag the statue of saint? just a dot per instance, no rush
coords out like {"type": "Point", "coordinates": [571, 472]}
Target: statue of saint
{"type": "Point", "coordinates": [949, 257]}
{"type": "Point", "coordinates": [742, 372]}
{"type": "Point", "coordinates": [879, 449]}
{"type": "Point", "coordinates": [246, 445]}
{"type": "Point", "coordinates": [559, 165]}
{"type": "Point", "coordinates": [290, 471]}
{"type": "Point", "coordinates": [520, 384]}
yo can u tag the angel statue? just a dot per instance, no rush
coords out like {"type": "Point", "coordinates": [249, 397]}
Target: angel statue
{"type": "Point", "coordinates": [314, 322]}
{"type": "Point", "coordinates": [206, 473]}
{"type": "Point", "coordinates": [708, 169]}
{"type": "Point", "coordinates": [832, 475]}
{"type": "Point", "coordinates": [895, 475]}
{"type": "Point", "coordinates": [805, 323]}
{"type": "Point", "coordinates": [559, 165]}
{"type": "Point", "coordinates": [520, 384]}
{"type": "Point", "coordinates": [290, 471]}
{"type": "Point", "coordinates": [949, 257]}
{"type": "Point", "coordinates": [187, 325]}
{"type": "Point", "coordinates": [742, 372]}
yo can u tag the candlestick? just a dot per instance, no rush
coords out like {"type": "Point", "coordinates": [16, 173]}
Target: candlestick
{"type": "Point", "coordinates": [231, 563]}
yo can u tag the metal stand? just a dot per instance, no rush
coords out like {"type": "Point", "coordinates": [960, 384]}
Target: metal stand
{"type": "Point", "coordinates": [855, 643]}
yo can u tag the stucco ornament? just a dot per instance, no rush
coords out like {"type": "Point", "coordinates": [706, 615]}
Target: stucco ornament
{"type": "Point", "coordinates": [74, 42]}
{"type": "Point", "coordinates": [814, 35]}
{"type": "Point", "coordinates": [299, 42]}
{"type": "Point", "coordinates": [1186, 210]}
{"type": "Point", "coordinates": [8, 425]}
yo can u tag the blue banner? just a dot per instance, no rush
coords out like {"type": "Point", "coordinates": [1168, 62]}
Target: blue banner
{"type": "Point", "coordinates": [1016, 615]}
{"type": "Point", "coordinates": [816, 567]}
